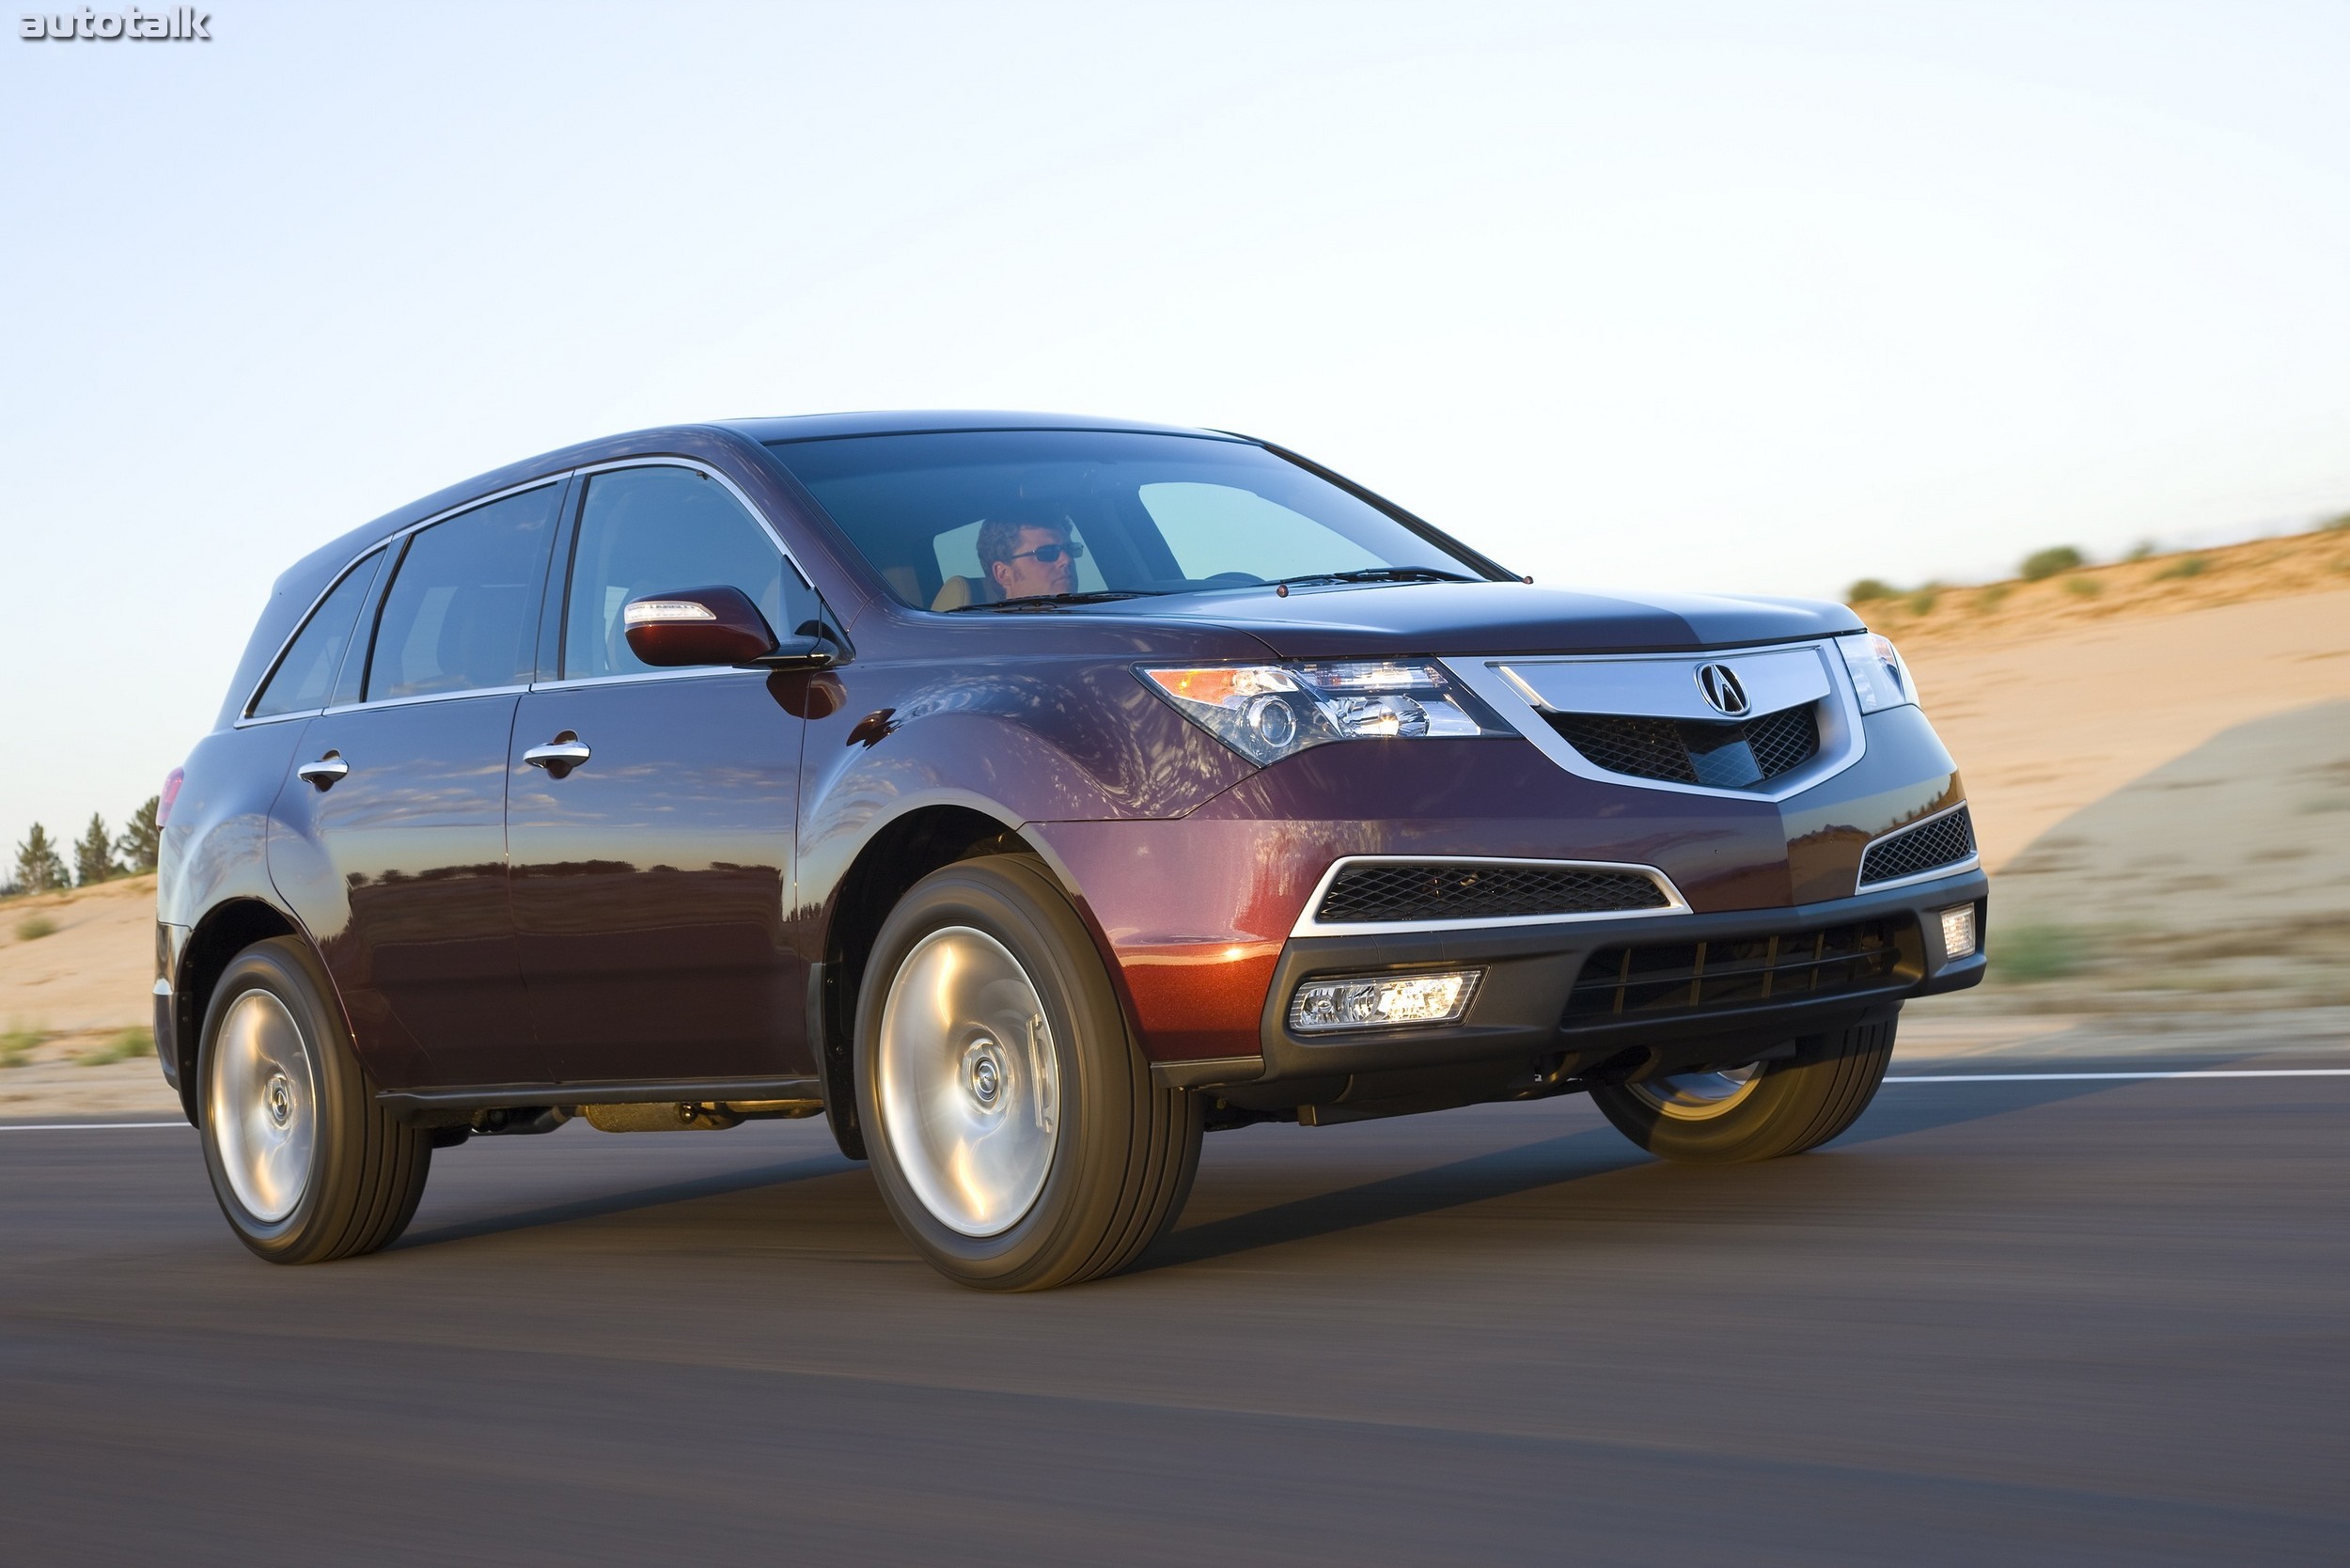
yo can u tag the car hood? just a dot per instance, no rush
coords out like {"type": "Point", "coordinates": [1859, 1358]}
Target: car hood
{"type": "Point", "coordinates": [1401, 619]}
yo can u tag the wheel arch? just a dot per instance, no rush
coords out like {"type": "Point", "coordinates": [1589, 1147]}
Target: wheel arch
{"type": "Point", "coordinates": [900, 853]}
{"type": "Point", "coordinates": [225, 930]}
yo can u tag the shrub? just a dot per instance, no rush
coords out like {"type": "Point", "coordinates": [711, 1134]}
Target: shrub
{"type": "Point", "coordinates": [34, 927]}
{"type": "Point", "coordinates": [2186, 566]}
{"type": "Point", "coordinates": [2029, 954]}
{"type": "Point", "coordinates": [2043, 564]}
{"type": "Point", "coordinates": [2336, 525]}
{"type": "Point", "coordinates": [1868, 590]}
{"type": "Point", "coordinates": [2142, 550]}
{"type": "Point", "coordinates": [17, 1043]}
{"type": "Point", "coordinates": [2086, 588]}
{"type": "Point", "coordinates": [1923, 601]}
{"type": "Point", "coordinates": [122, 1047]}
{"type": "Point", "coordinates": [1988, 596]}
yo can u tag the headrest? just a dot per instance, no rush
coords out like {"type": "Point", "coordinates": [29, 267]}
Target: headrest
{"type": "Point", "coordinates": [958, 591]}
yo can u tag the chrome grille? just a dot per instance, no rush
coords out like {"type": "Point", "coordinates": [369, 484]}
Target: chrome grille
{"type": "Point", "coordinates": [1698, 976]}
{"type": "Point", "coordinates": [1467, 890]}
{"type": "Point", "coordinates": [1734, 756]}
{"type": "Point", "coordinates": [1945, 840]}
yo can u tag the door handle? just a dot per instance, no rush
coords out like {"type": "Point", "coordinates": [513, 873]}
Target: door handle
{"type": "Point", "coordinates": [324, 771]}
{"type": "Point", "coordinates": [560, 755]}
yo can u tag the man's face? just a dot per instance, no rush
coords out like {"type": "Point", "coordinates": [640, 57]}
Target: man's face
{"type": "Point", "coordinates": [1024, 576]}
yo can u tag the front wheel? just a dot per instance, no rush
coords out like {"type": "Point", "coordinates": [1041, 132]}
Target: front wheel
{"type": "Point", "coordinates": [1759, 1112]}
{"type": "Point", "coordinates": [307, 1166]}
{"type": "Point", "coordinates": [1013, 1127]}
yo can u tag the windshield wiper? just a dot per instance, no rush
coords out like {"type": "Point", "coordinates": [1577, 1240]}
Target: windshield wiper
{"type": "Point", "coordinates": [1055, 600]}
{"type": "Point", "coordinates": [1381, 574]}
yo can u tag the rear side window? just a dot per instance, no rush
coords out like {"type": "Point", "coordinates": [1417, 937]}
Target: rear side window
{"type": "Point", "coordinates": [645, 531]}
{"type": "Point", "coordinates": [458, 617]}
{"type": "Point", "coordinates": [307, 673]}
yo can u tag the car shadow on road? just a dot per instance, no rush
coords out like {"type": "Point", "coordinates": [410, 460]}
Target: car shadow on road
{"type": "Point", "coordinates": [1899, 1111]}
{"type": "Point", "coordinates": [608, 1204]}
{"type": "Point", "coordinates": [1505, 1172]}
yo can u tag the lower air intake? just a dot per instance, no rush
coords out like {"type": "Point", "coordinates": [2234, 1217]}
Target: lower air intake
{"type": "Point", "coordinates": [1947, 840]}
{"type": "Point", "coordinates": [1700, 976]}
{"type": "Point", "coordinates": [1465, 890]}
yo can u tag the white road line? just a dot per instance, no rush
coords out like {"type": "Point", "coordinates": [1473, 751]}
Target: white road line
{"type": "Point", "coordinates": [2079, 1077]}
{"type": "Point", "coordinates": [1916, 1078]}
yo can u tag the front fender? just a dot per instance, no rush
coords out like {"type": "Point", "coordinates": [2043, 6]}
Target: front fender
{"type": "Point", "coordinates": [1051, 740]}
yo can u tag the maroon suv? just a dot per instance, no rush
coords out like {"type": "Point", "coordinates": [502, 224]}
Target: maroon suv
{"type": "Point", "coordinates": [1026, 795]}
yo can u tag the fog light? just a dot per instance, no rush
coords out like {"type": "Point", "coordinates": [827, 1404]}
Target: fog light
{"type": "Point", "coordinates": [1381, 1002]}
{"type": "Point", "coordinates": [1958, 932]}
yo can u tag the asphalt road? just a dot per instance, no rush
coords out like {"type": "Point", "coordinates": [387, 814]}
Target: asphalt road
{"type": "Point", "coordinates": [2054, 1321]}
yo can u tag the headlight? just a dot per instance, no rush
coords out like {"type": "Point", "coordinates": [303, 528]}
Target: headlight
{"type": "Point", "coordinates": [1269, 712]}
{"type": "Point", "coordinates": [1878, 675]}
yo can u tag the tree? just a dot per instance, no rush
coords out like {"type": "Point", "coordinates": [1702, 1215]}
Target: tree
{"type": "Point", "coordinates": [135, 849]}
{"type": "Point", "coordinates": [37, 867]}
{"type": "Point", "coordinates": [93, 856]}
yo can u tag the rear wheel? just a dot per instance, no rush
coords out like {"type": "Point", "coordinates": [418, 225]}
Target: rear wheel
{"type": "Point", "coordinates": [1013, 1127]}
{"type": "Point", "coordinates": [1759, 1112]}
{"type": "Point", "coordinates": [306, 1167]}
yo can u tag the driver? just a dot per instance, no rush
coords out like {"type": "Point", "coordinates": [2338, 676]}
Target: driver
{"type": "Point", "coordinates": [1029, 560]}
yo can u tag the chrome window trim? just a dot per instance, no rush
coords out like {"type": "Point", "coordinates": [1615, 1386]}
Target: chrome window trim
{"type": "Point", "coordinates": [588, 471]}
{"type": "Point", "coordinates": [1933, 874]}
{"type": "Point", "coordinates": [252, 698]}
{"type": "Point", "coordinates": [415, 698]}
{"type": "Point", "coordinates": [1307, 925]}
{"type": "Point", "coordinates": [1843, 740]}
{"type": "Point", "coordinates": [695, 672]}
{"type": "Point", "coordinates": [774, 536]}
{"type": "Point", "coordinates": [372, 546]}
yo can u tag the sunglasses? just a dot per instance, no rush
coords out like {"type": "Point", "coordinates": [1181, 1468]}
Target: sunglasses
{"type": "Point", "coordinates": [1050, 554]}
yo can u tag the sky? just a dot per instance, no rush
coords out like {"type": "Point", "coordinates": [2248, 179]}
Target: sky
{"type": "Point", "coordinates": [1730, 297]}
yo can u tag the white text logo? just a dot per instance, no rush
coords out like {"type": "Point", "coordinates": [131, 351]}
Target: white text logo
{"type": "Point", "coordinates": [180, 22]}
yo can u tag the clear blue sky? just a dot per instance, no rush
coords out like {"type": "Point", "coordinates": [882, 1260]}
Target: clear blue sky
{"type": "Point", "coordinates": [1727, 296]}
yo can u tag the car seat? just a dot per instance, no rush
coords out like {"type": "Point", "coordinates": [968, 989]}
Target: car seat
{"type": "Point", "coordinates": [958, 591]}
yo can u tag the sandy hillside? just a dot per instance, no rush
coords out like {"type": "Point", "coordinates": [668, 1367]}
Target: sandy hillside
{"type": "Point", "coordinates": [2160, 775]}
{"type": "Point", "coordinates": [2288, 566]}
{"type": "Point", "coordinates": [75, 1010]}
{"type": "Point", "coordinates": [2043, 724]}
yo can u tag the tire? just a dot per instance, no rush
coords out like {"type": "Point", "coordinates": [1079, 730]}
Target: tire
{"type": "Point", "coordinates": [1783, 1108]}
{"type": "Point", "coordinates": [1013, 1126]}
{"type": "Point", "coordinates": [307, 1167]}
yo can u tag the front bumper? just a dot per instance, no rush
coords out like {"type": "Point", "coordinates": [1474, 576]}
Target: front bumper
{"type": "Point", "coordinates": [1519, 1015]}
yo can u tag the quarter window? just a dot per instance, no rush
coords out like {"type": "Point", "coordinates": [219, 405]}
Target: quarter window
{"type": "Point", "coordinates": [307, 673]}
{"type": "Point", "coordinates": [645, 531]}
{"type": "Point", "coordinates": [458, 615]}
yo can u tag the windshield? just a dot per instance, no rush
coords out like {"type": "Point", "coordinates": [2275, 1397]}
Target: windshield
{"type": "Point", "coordinates": [981, 519]}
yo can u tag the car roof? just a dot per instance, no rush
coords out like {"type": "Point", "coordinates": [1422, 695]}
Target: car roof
{"type": "Point", "coordinates": [821, 426]}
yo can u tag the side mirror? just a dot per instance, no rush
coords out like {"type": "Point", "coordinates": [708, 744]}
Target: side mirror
{"type": "Point", "coordinates": [715, 626]}
{"type": "Point", "coordinates": [696, 626]}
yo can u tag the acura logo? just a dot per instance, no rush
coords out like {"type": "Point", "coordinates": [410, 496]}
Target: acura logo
{"type": "Point", "coordinates": [1719, 684]}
